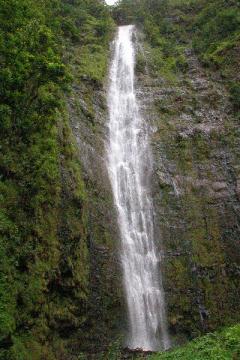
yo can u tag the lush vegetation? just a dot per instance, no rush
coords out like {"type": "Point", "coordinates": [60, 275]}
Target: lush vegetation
{"type": "Point", "coordinates": [216, 39]}
{"type": "Point", "coordinates": [213, 27]}
{"type": "Point", "coordinates": [45, 46]}
{"type": "Point", "coordinates": [44, 266]}
{"type": "Point", "coordinates": [223, 345]}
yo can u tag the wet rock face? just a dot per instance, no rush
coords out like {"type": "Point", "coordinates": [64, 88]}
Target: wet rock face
{"type": "Point", "coordinates": [196, 187]}
{"type": "Point", "coordinates": [88, 115]}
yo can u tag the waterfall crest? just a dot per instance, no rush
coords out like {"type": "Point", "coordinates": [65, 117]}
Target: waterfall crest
{"type": "Point", "coordinates": [129, 166]}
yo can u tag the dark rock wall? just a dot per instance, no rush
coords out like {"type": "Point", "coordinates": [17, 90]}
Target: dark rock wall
{"type": "Point", "coordinates": [196, 184]}
{"type": "Point", "coordinates": [87, 107]}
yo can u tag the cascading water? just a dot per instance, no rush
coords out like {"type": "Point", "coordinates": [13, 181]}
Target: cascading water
{"type": "Point", "coordinates": [129, 165]}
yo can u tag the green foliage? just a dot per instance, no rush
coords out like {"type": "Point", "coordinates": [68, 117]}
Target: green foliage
{"type": "Point", "coordinates": [166, 55]}
{"type": "Point", "coordinates": [170, 25]}
{"type": "Point", "coordinates": [113, 353]}
{"type": "Point", "coordinates": [88, 23]}
{"type": "Point", "coordinates": [44, 266]}
{"type": "Point", "coordinates": [214, 24]}
{"type": "Point", "coordinates": [216, 38]}
{"type": "Point", "coordinates": [223, 345]}
{"type": "Point", "coordinates": [93, 63]}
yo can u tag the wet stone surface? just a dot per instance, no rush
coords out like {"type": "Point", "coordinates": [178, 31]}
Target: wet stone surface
{"type": "Point", "coordinates": [195, 187]}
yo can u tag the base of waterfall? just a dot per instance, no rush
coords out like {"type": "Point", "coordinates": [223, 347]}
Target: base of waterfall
{"type": "Point", "coordinates": [128, 353]}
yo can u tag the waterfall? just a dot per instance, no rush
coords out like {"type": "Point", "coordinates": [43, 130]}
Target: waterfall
{"type": "Point", "coordinates": [129, 166]}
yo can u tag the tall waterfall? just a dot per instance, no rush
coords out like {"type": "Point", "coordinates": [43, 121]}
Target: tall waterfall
{"type": "Point", "coordinates": [129, 166]}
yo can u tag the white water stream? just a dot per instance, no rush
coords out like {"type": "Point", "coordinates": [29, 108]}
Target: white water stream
{"type": "Point", "coordinates": [129, 166]}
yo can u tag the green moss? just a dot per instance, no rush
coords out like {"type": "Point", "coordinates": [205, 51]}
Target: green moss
{"type": "Point", "coordinates": [221, 345]}
{"type": "Point", "coordinates": [93, 63]}
{"type": "Point", "coordinates": [44, 219]}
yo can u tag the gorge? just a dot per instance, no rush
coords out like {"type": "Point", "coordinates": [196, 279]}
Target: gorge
{"type": "Point", "coordinates": [119, 179]}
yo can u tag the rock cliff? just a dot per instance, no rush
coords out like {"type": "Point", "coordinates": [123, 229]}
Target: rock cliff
{"type": "Point", "coordinates": [195, 142]}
